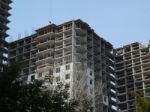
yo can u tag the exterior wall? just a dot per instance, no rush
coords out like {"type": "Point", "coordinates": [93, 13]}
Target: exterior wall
{"type": "Point", "coordinates": [133, 68]}
{"type": "Point", "coordinates": [4, 14]}
{"type": "Point", "coordinates": [73, 44]}
{"type": "Point", "coordinates": [25, 50]}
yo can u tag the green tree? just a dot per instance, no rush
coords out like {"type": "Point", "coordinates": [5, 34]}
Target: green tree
{"type": "Point", "coordinates": [142, 104]}
{"type": "Point", "coordinates": [18, 96]}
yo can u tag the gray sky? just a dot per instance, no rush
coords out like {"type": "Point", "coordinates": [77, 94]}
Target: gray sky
{"type": "Point", "coordinates": [118, 21]}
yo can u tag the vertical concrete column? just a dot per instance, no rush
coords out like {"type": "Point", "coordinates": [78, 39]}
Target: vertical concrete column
{"type": "Point", "coordinates": [143, 85]}
{"type": "Point", "coordinates": [63, 30]}
{"type": "Point", "coordinates": [73, 41]}
{"type": "Point", "coordinates": [125, 72]}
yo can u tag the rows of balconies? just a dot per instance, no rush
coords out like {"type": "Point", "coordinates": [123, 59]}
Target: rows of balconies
{"type": "Point", "coordinates": [136, 66]}
{"type": "Point", "coordinates": [48, 59]}
{"type": "Point", "coordinates": [63, 60]}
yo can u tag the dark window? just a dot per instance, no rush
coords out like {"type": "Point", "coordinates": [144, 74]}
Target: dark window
{"type": "Point", "coordinates": [32, 77]}
{"type": "Point", "coordinates": [57, 70]}
{"type": "Point", "coordinates": [67, 86]}
{"type": "Point", "coordinates": [90, 73]}
{"type": "Point", "coordinates": [67, 76]}
{"type": "Point", "coordinates": [105, 98]}
{"type": "Point", "coordinates": [91, 81]}
{"type": "Point", "coordinates": [67, 67]}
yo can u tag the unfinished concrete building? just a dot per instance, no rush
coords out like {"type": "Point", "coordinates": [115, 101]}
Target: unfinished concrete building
{"type": "Point", "coordinates": [71, 53]}
{"type": "Point", "coordinates": [4, 14]}
{"type": "Point", "coordinates": [24, 49]}
{"type": "Point", "coordinates": [132, 73]}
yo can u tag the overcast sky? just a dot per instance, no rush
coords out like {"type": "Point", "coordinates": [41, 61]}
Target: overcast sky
{"type": "Point", "coordinates": [118, 21]}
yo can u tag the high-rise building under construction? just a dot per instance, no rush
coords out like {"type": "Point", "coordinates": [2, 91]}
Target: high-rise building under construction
{"type": "Point", "coordinates": [71, 53]}
{"type": "Point", "coordinates": [132, 74]}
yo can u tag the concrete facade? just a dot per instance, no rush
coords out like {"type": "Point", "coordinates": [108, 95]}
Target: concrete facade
{"type": "Point", "coordinates": [132, 74]}
{"type": "Point", "coordinates": [71, 53]}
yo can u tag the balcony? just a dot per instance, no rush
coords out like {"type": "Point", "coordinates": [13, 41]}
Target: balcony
{"type": "Point", "coordinates": [146, 69]}
{"type": "Point", "coordinates": [45, 43]}
{"type": "Point", "coordinates": [45, 60]}
{"type": "Point", "coordinates": [68, 36]}
{"type": "Point", "coordinates": [45, 52]}
{"type": "Point", "coordinates": [68, 50]}
{"type": "Point", "coordinates": [45, 36]}
{"type": "Point", "coordinates": [58, 56]}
